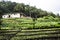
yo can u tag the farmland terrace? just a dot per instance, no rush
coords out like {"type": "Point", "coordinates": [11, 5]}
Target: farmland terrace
{"type": "Point", "coordinates": [27, 29]}
{"type": "Point", "coordinates": [31, 34]}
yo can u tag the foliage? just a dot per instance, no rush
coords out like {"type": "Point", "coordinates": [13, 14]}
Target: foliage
{"type": "Point", "coordinates": [8, 7]}
{"type": "Point", "coordinates": [27, 23]}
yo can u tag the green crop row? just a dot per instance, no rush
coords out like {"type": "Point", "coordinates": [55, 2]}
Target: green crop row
{"type": "Point", "coordinates": [28, 23]}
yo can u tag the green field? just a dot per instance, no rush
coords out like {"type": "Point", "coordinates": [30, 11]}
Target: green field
{"type": "Point", "coordinates": [28, 29]}
{"type": "Point", "coordinates": [33, 23]}
{"type": "Point", "coordinates": [28, 23]}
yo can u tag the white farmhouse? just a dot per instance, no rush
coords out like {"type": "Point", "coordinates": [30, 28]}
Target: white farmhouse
{"type": "Point", "coordinates": [13, 15]}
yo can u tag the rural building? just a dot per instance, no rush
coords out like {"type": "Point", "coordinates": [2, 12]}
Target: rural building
{"type": "Point", "coordinates": [13, 15]}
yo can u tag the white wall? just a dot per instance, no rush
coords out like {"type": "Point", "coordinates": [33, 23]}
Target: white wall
{"type": "Point", "coordinates": [5, 16]}
{"type": "Point", "coordinates": [16, 15]}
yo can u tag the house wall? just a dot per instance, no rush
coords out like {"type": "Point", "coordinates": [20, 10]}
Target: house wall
{"type": "Point", "coordinates": [5, 16]}
{"type": "Point", "coordinates": [16, 15]}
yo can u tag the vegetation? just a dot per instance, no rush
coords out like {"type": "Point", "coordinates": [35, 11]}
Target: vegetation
{"type": "Point", "coordinates": [8, 7]}
{"type": "Point", "coordinates": [41, 24]}
{"type": "Point", "coordinates": [28, 23]}
{"type": "Point", "coordinates": [34, 34]}
{"type": "Point", "coordinates": [43, 16]}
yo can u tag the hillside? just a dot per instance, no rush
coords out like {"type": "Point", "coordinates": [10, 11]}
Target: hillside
{"type": "Point", "coordinates": [11, 7]}
{"type": "Point", "coordinates": [28, 23]}
{"type": "Point", "coordinates": [42, 25]}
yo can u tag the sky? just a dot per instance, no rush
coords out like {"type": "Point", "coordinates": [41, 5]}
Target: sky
{"type": "Point", "coordinates": [48, 5]}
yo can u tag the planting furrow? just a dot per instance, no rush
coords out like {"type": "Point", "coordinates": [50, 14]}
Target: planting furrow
{"type": "Point", "coordinates": [37, 36]}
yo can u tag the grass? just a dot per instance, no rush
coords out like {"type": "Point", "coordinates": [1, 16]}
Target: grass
{"type": "Point", "coordinates": [44, 27]}
{"type": "Point", "coordinates": [27, 23]}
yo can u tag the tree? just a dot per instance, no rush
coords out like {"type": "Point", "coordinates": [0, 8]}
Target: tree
{"type": "Point", "coordinates": [19, 8]}
{"type": "Point", "coordinates": [25, 9]}
{"type": "Point", "coordinates": [52, 14]}
{"type": "Point", "coordinates": [33, 11]}
{"type": "Point", "coordinates": [58, 15]}
{"type": "Point", "coordinates": [3, 10]}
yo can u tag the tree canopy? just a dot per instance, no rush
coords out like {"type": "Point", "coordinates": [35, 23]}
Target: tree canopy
{"type": "Point", "coordinates": [8, 6]}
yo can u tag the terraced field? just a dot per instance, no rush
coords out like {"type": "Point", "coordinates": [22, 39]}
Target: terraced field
{"type": "Point", "coordinates": [28, 23]}
{"type": "Point", "coordinates": [31, 34]}
{"type": "Point", "coordinates": [27, 29]}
